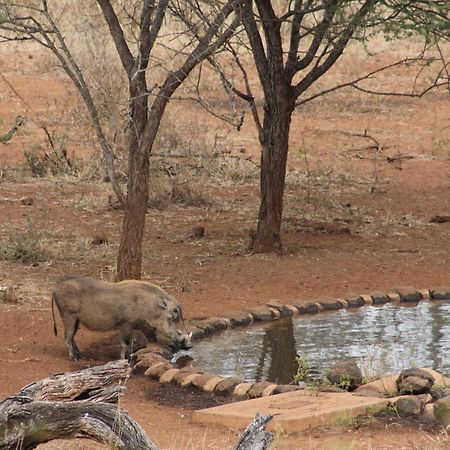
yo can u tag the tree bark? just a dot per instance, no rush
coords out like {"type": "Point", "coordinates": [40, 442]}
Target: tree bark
{"type": "Point", "coordinates": [275, 146]}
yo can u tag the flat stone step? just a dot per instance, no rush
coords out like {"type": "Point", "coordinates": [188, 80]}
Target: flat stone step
{"type": "Point", "coordinates": [293, 411]}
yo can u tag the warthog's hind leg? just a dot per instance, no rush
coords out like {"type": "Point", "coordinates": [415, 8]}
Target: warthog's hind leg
{"type": "Point", "coordinates": [71, 324]}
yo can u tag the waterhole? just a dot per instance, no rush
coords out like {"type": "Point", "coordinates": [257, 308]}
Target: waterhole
{"type": "Point", "coordinates": [382, 340]}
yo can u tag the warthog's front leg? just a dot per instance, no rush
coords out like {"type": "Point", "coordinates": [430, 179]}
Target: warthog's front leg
{"type": "Point", "coordinates": [125, 340]}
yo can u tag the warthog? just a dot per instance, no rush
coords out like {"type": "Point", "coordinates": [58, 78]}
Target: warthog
{"type": "Point", "coordinates": [125, 306]}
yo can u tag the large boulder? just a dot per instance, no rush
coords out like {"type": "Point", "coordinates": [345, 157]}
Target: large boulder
{"type": "Point", "coordinates": [414, 381]}
{"type": "Point", "coordinates": [345, 374]}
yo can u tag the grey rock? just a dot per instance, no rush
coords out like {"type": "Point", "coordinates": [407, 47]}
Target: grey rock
{"type": "Point", "coordinates": [414, 381]}
{"type": "Point", "coordinates": [345, 374]}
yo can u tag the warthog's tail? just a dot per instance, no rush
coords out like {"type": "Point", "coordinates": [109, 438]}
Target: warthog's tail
{"type": "Point", "coordinates": [55, 330]}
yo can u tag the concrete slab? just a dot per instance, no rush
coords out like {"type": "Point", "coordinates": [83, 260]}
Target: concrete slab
{"type": "Point", "coordinates": [293, 411]}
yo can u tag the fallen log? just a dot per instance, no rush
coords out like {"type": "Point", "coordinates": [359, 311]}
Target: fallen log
{"type": "Point", "coordinates": [84, 404]}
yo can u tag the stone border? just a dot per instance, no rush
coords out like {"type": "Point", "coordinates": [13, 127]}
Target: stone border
{"type": "Point", "coordinates": [154, 360]}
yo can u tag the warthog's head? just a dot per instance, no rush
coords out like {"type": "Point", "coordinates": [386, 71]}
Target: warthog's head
{"type": "Point", "coordinates": [171, 330]}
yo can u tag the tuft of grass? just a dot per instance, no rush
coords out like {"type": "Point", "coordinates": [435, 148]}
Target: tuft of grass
{"type": "Point", "coordinates": [25, 246]}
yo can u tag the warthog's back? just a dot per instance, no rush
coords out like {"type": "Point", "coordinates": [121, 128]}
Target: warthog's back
{"type": "Point", "coordinates": [101, 305]}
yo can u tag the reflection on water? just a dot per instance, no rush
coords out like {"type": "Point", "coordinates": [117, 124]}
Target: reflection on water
{"type": "Point", "coordinates": [383, 340]}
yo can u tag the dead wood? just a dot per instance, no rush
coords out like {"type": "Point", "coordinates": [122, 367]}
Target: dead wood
{"type": "Point", "coordinates": [255, 436]}
{"type": "Point", "coordinates": [83, 404]}
{"type": "Point", "coordinates": [68, 405]}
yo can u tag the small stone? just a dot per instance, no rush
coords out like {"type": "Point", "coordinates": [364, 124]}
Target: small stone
{"type": "Point", "coordinates": [184, 361]}
{"type": "Point", "coordinates": [425, 293]}
{"type": "Point", "coordinates": [330, 304]}
{"type": "Point", "coordinates": [414, 381]}
{"type": "Point", "coordinates": [409, 406]}
{"type": "Point", "coordinates": [379, 298]}
{"type": "Point", "coordinates": [285, 312]}
{"type": "Point", "coordinates": [437, 394]}
{"type": "Point", "coordinates": [442, 411]}
{"type": "Point", "coordinates": [261, 314]}
{"type": "Point", "coordinates": [345, 374]}
{"type": "Point", "coordinates": [313, 308]}
{"type": "Point", "coordinates": [99, 240]}
{"type": "Point", "coordinates": [185, 372]}
{"type": "Point", "coordinates": [343, 303]}
{"type": "Point", "coordinates": [367, 299]}
{"type": "Point", "coordinates": [188, 381]}
{"type": "Point", "coordinates": [201, 380]}
{"type": "Point", "coordinates": [394, 297]}
{"type": "Point", "coordinates": [440, 293]}
{"type": "Point", "coordinates": [275, 313]}
{"type": "Point", "coordinates": [211, 384]}
{"type": "Point", "coordinates": [227, 386]}
{"type": "Point", "coordinates": [146, 360]}
{"type": "Point", "coordinates": [197, 333]}
{"type": "Point", "coordinates": [27, 201]}
{"type": "Point", "coordinates": [239, 318]}
{"type": "Point", "coordinates": [158, 349]}
{"type": "Point", "coordinates": [158, 369]}
{"type": "Point", "coordinates": [408, 294]}
{"type": "Point", "coordinates": [241, 390]}
{"type": "Point", "coordinates": [282, 388]}
{"type": "Point", "coordinates": [258, 388]}
{"type": "Point", "coordinates": [198, 232]}
{"type": "Point", "coordinates": [168, 376]}
{"type": "Point", "coordinates": [354, 301]}
{"type": "Point", "coordinates": [369, 391]}
{"type": "Point", "coordinates": [292, 308]}
{"type": "Point", "coordinates": [428, 413]}
{"type": "Point", "coordinates": [268, 390]}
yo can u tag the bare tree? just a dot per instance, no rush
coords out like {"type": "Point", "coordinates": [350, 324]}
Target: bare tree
{"type": "Point", "coordinates": [135, 27]}
{"type": "Point", "coordinates": [296, 43]}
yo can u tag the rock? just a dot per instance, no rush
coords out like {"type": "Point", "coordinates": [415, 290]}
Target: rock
{"type": "Point", "coordinates": [227, 386]}
{"type": "Point", "coordinates": [239, 318]}
{"type": "Point", "coordinates": [197, 333]}
{"type": "Point", "coordinates": [442, 411]}
{"type": "Point", "coordinates": [408, 294]}
{"type": "Point", "coordinates": [258, 388]}
{"type": "Point", "coordinates": [184, 373]}
{"type": "Point", "coordinates": [354, 301]}
{"type": "Point", "coordinates": [414, 381]}
{"type": "Point", "coordinates": [309, 308]}
{"type": "Point", "coordinates": [370, 391]}
{"type": "Point", "coordinates": [329, 304]}
{"type": "Point", "coordinates": [440, 219]}
{"type": "Point", "coordinates": [437, 394]}
{"type": "Point", "coordinates": [184, 361]}
{"type": "Point", "coordinates": [27, 201]}
{"type": "Point", "coordinates": [201, 380]}
{"type": "Point", "coordinates": [198, 232]}
{"type": "Point", "coordinates": [241, 390]}
{"type": "Point", "coordinates": [158, 369]}
{"type": "Point", "coordinates": [261, 314]}
{"type": "Point", "coordinates": [153, 347]}
{"type": "Point", "coordinates": [379, 298]}
{"type": "Point", "coordinates": [211, 325]}
{"type": "Point", "coordinates": [282, 388]}
{"type": "Point", "coordinates": [345, 374]}
{"type": "Point", "coordinates": [99, 240]}
{"type": "Point", "coordinates": [409, 406]}
{"type": "Point", "coordinates": [440, 293]}
{"type": "Point", "coordinates": [211, 384]}
{"type": "Point", "coordinates": [168, 376]}
{"type": "Point", "coordinates": [146, 360]}
{"type": "Point", "coordinates": [283, 310]}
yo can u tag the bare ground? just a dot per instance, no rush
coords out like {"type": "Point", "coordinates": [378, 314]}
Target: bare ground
{"type": "Point", "coordinates": [352, 225]}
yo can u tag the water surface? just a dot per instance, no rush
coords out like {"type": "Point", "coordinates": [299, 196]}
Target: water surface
{"type": "Point", "coordinates": [383, 340]}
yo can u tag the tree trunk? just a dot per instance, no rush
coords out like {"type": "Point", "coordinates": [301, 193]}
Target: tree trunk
{"type": "Point", "coordinates": [274, 146]}
{"type": "Point", "coordinates": [129, 258]}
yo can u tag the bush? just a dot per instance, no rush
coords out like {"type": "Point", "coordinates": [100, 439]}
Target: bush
{"type": "Point", "coordinates": [24, 246]}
